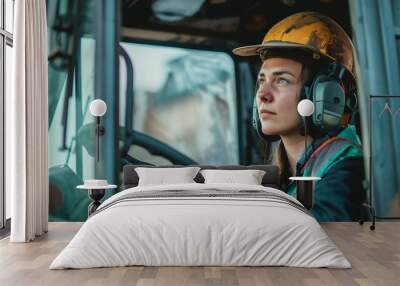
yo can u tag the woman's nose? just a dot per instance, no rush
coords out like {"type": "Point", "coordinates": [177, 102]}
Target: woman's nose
{"type": "Point", "coordinates": [265, 94]}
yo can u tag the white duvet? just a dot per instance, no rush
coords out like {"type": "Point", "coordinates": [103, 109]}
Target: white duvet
{"type": "Point", "coordinates": [182, 231]}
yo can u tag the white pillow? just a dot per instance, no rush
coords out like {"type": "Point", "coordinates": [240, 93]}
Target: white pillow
{"type": "Point", "coordinates": [162, 176]}
{"type": "Point", "coordinates": [248, 177]}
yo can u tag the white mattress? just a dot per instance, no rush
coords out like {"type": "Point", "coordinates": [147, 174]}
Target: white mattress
{"type": "Point", "coordinates": [183, 231]}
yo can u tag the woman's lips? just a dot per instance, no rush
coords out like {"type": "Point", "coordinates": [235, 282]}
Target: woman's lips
{"type": "Point", "coordinates": [266, 113]}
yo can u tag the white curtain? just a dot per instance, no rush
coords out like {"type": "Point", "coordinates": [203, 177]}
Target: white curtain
{"type": "Point", "coordinates": [26, 123]}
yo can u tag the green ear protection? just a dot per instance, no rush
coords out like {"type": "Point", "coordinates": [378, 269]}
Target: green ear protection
{"type": "Point", "coordinates": [330, 103]}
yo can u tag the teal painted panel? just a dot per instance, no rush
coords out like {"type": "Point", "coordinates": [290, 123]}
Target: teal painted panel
{"type": "Point", "coordinates": [385, 158]}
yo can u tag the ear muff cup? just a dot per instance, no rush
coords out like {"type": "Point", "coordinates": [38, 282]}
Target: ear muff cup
{"type": "Point", "coordinates": [329, 100]}
{"type": "Point", "coordinates": [256, 122]}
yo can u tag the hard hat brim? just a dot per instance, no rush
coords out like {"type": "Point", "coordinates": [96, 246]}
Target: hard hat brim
{"type": "Point", "coordinates": [255, 50]}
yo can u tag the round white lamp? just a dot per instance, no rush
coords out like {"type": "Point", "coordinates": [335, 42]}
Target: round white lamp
{"type": "Point", "coordinates": [305, 107]}
{"type": "Point", "coordinates": [98, 108]}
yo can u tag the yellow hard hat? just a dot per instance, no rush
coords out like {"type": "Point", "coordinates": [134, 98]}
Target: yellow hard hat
{"type": "Point", "coordinates": [309, 31]}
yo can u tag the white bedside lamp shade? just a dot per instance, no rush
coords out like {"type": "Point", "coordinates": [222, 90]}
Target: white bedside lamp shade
{"type": "Point", "coordinates": [305, 107]}
{"type": "Point", "coordinates": [98, 107]}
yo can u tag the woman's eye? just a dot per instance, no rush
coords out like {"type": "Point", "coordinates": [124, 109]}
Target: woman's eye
{"type": "Point", "coordinates": [282, 81]}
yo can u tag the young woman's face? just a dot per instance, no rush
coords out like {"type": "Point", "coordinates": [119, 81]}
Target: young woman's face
{"type": "Point", "coordinates": [279, 86]}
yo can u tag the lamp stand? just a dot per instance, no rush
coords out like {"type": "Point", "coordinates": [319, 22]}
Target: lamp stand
{"type": "Point", "coordinates": [305, 133]}
{"type": "Point", "coordinates": [100, 130]}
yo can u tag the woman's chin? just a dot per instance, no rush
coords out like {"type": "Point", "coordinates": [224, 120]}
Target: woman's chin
{"type": "Point", "coordinates": [270, 131]}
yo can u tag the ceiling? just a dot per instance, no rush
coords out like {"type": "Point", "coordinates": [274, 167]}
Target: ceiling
{"type": "Point", "coordinates": [234, 20]}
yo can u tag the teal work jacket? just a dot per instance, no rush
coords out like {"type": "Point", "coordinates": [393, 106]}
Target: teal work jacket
{"type": "Point", "coordinates": [339, 195]}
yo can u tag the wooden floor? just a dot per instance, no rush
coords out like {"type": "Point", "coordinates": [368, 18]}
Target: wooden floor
{"type": "Point", "coordinates": [374, 255]}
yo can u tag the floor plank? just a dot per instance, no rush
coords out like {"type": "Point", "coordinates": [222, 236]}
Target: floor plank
{"type": "Point", "coordinates": [374, 255]}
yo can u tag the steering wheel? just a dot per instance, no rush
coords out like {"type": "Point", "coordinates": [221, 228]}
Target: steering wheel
{"type": "Point", "coordinates": [86, 137]}
{"type": "Point", "coordinates": [155, 147]}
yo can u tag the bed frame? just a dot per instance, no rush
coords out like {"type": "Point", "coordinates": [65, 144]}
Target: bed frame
{"type": "Point", "coordinates": [271, 178]}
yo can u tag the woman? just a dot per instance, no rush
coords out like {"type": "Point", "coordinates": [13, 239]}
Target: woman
{"type": "Point", "coordinates": [308, 55]}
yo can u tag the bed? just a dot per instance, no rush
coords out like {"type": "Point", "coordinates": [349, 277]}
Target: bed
{"type": "Point", "coordinates": [201, 224]}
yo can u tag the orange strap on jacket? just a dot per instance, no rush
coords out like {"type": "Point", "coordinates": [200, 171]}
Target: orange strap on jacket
{"type": "Point", "coordinates": [323, 145]}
